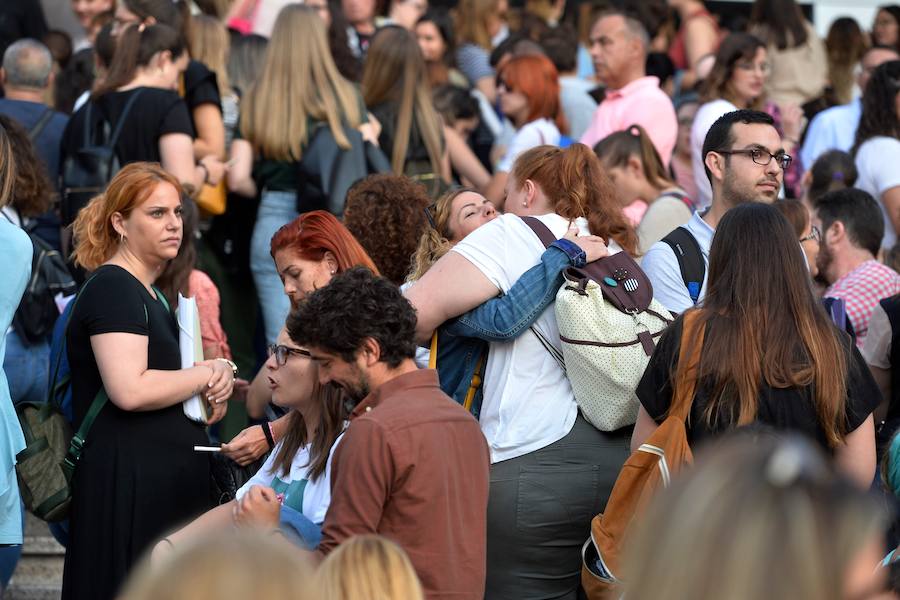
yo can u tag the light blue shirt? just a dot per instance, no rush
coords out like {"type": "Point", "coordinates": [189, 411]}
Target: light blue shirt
{"type": "Point", "coordinates": [831, 129]}
{"type": "Point", "coordinates": [16, 250]}
{"type": "Point", "coordinates": [661, 266]}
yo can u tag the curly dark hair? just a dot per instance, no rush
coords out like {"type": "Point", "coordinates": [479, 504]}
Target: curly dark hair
{"type": "Point", "coordinates": [32, 192]}
{"type": "Point", "coordinates": [356, 305]}
{"type": "Point", "coordinates": [386, 213]}
{"type": "Point", "coordinates": [879, 112]}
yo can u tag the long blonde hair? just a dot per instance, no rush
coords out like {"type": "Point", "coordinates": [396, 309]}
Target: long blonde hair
{"type": "Point", "coordinates": [211, 45]}
{"type": "Point", "coordinates": [435, 240]}
{"type": "Point", "coordinates": [368, 567]}
{"type": "Point", "coordinates": [95, 238]}
{"type": "Point", "coordinates": [299, 82]}
{"type": "Point", "coordinates": [395, 72]}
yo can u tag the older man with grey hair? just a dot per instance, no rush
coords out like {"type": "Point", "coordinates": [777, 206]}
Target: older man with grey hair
{"type": "Point", "coordinates": [27, 78]}
{"type": "Point", "coordinates": [618, 46]}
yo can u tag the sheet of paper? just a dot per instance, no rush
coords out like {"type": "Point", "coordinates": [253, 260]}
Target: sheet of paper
{"type": "Point", "coordinates": [191, 352]}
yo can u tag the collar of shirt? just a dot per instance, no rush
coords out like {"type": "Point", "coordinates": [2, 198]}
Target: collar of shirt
{"type": "Point", "coordinates": [701, 231]}
{"type": "Point", "coordinates": [426, 378]}
{"type": "Point", "coordinates": [634, 87]}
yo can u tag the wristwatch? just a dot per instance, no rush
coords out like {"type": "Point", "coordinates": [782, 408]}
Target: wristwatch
{"type": "Point", "coordinates": [230, 363]}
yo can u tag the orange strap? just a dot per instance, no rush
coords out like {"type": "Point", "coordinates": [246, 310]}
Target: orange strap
{"type": "Point", "coordinates": [686, 375]}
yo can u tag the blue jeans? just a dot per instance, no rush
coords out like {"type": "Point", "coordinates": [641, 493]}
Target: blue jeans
{"type": "Point", "coordinates": [26, 369]}
{"type": "Point", "coordinates": [275, 209]}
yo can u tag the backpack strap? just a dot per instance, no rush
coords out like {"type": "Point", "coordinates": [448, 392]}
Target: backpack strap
{"type": "Point", "coordinates": [686, 374]}
{"type": "Point", "coordinates": [542, 231]}
{"type": "Point", "coordinates": [55, 382]}
{"type": "Point", "coordinates": [680, 195]}
{"type": "Point", "coordinates": [690, 260]}
{"type": "Point", "coordinates": [41, 123]}
{"type": "Point", "coordinates": [117, 131]}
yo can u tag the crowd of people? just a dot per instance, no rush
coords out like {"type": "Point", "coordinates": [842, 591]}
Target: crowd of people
{"type": "Point", "coordinates": [389, 407]}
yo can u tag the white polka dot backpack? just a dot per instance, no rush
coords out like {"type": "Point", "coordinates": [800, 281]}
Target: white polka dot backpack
{"type": "Point", "coordinates": [608, 325]}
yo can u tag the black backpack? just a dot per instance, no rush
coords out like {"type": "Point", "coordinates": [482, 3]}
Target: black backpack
{"type": "Point", "coordinates": [86, 173]}
{"type": "Point", "coordinates": [326, 171]}
{"type": "Point", "coordinates": [37, 312]}
{"type": "Point", "coordinates": [690, 260]}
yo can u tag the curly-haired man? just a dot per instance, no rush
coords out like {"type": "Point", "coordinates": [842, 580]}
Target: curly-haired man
{"type": "Point", "coordinates": [413, 464]}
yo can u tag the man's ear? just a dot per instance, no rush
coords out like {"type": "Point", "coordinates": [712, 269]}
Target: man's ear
{"type": "Point", "coordinates": [836, 232]}
{"type": "Point", "coordinates": [370, 351]}
{"type": "Point", "coordinates": [2, 76]}
{"type": "Point", "coordinates": [715, 162]}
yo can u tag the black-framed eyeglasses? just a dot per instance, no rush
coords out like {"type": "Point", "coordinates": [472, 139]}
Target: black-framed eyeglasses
{"type": "Point", "coordinates": [815, 234]}
{"type": "Point", "coordinates": [282, 352]}
{"type": "Point", "coordinates": [763, 157]}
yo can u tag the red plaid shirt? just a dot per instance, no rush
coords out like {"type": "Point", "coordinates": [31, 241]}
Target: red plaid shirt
{"type": "Point", "coordinates": [863, 288]}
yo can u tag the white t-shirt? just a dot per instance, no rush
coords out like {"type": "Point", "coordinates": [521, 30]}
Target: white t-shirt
{"type": "Point", "coordinates": [528, 402]}
{"type": "Point", "coordinates": [535, 133]}
{"type": "Point", "coordinates": [706, 116]}
{"type": "Point", "coordinates": [300, 493]}
{"type": "Point", "coordinates": [877, 162]}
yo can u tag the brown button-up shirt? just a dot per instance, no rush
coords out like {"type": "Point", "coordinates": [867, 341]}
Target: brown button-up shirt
{"type": "Point", "coordinates": [414, 466]}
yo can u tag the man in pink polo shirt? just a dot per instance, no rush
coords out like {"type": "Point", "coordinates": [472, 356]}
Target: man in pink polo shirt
{"type": "Point", "coordinates": [619, 45]}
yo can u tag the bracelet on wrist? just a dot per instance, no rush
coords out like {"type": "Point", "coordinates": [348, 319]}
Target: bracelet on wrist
{"type": "Point", "coordinates": [267, 431]}
{"type": "Point", "coordinates": [230, 363]}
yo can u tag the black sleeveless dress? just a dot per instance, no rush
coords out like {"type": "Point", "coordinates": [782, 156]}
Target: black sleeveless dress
{"type": "Point", "coordinates": [139, 476]}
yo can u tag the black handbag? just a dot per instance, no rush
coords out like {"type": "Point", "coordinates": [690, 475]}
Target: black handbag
{"type": "Point", "coordinates": [226, 476]}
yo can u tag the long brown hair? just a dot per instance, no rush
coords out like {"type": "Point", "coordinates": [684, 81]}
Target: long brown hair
{"type": "Point", "coordinates": [135, 47]}
{"type": "Point", "coordinates": [395, 72]}
{"type": "Point", "coordinates": [331, 423]}
{"type": "Point", "coordinates": [175, 277]}
{"type": "Point", "coordinates": [574, 181]}
{"type": "Point", "coordinates": [471, 21]}
{"type": "Point", "coordinates": [765, 324]}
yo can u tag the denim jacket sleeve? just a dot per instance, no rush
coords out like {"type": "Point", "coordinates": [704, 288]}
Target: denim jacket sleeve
{"type": "Point", "coordinates": [504, 318]}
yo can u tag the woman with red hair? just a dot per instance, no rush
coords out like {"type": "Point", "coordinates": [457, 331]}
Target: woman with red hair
{"type": "Point", "coordinates": [528, 89]}
{"type": "Point", "coordinates": [307, 252]}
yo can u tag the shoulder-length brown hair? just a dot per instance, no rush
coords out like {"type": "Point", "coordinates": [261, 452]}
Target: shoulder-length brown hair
{"type": "Point", "coordinates": [574, 181]}
{"type": "Point", "coordinates": [733, 49]}
{"type": "Point", "coordinates": [32, 194]}
{"type": "Point", "coordinates": [765, 324]}
{"type": "Point", "coordinates": [95, 238]}
{"type": "Point", "coordinates": [331, 423]}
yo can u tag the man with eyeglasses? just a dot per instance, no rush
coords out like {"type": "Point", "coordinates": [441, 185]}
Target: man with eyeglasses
{"type": "Point", "coordinates": [745, 162]}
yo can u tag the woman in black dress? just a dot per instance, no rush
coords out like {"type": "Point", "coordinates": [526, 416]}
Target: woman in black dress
{"type": "Point", "coordinates": [139, 475]}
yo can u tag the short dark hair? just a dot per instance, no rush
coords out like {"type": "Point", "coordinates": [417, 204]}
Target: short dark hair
{"type": "Point", "coordinates": [860, 214]}
{"type": "Point", "coordinates": [356, 305]}
{"type": "Point", "coordinates": [719, 136]}
{"type": "Point", "coordinates": [561, 45]}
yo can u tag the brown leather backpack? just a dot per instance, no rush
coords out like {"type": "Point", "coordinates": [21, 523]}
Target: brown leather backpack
{"type": "Point", "coordinates": [652, 465]}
